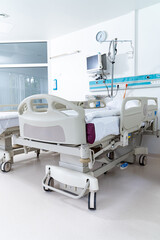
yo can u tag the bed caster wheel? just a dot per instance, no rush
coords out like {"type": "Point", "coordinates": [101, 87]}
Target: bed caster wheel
{"type": "Point", "coordinates": [6, 166]}
{"type": "Point", "coordinates": [38, 153]}
{"type": "Point", "coordinates": [143, 160]}
{"type": "Point", "coordinates": [111, 155]}
{"type": "Point", "coordinates": [50, 183]}
{"type": "Point", "coordinates": [92, 200]}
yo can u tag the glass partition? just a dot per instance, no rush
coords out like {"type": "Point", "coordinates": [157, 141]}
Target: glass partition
{"type": "Point", "coordinates": [19, 83]}
{"type": "Point", "coordinates": [23, 53]}
{"type": "Point", "coordinates": [19, 77]}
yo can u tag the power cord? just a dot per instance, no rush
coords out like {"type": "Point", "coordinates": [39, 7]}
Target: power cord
{"type": "Point", "coordinates": [117, 89]}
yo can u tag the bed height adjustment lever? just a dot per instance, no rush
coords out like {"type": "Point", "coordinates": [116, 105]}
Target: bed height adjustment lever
{"type": "Point", "coordinates": [124, 139]}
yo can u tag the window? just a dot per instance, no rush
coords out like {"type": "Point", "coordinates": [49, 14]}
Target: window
{"type": "Point", "coordinates": [23, 72]}
{"type": "Point", "coordinates": [23, 53]}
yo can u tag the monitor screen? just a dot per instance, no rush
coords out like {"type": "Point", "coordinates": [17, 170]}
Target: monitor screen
{"type": "Point", "coordinates": [96, 62]}
{"type": "Point", "coordinates": [92, 62]}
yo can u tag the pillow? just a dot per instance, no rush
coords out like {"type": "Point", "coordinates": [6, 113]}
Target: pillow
{"type": "Point", "coordinates": [101, 113]}
{"type": "Point", "coordinates": [115, 103]}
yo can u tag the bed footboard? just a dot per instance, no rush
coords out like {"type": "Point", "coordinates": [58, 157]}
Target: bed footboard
{"type": "Point", "coordinates": [41, 118]}
{"type": "Point", "coordinates": [135, 113]}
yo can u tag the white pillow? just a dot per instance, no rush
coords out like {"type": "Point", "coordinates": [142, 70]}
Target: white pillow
{"type": "Point", "coordinates": [99, 114]}
{"type": "Point", "coordinates": [115, 103]}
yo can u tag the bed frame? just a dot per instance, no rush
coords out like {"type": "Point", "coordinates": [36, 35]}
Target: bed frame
{"type": "Point", "coordinates": [7, 149]}
{"type": "Point", "coordinates": [77, 172]}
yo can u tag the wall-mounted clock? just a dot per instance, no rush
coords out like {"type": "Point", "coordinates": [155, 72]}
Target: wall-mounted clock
{"type": "Point", "coordinates": [101, 36]}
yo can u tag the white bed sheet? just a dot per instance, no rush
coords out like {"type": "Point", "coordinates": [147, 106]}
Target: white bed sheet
{"type": "Point", "coordinates": [8, 120]}
{"type": "Point", "coordinates": [90, 114]}
{"type": "Point", "coordinates": [106, 126]}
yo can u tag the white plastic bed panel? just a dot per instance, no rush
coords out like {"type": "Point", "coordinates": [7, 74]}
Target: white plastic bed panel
{"type": "Point", "coordinates": [61, 128]}
{"type": "Point", "coordinates": [132, 118]}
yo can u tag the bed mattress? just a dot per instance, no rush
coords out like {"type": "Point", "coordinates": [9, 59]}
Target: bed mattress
{"type": "Point", "coordinates": [8, 120]}
{"type": "Point", "coordinates": [100, 123]}
{"type": "Point", "coordinates": [102, 127]}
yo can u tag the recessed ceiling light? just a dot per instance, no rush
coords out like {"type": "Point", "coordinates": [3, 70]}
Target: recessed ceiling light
{"type": "Point", "coordinates": [4, 15]}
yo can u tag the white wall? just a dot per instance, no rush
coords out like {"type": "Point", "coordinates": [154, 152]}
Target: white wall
{"type": "Point", "coordinates": [70, 71]}
{"type": "Point", "coordinates": [149, 60]}
{"type": "Point", "coordinates": [149, 40]}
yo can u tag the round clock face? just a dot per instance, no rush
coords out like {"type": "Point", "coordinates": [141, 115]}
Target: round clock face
{"type": "Point", "coordinates": [101, 36]}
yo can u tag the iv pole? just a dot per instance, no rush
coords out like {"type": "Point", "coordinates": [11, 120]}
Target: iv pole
{"type": "Point", "coordinates": [111, 56]}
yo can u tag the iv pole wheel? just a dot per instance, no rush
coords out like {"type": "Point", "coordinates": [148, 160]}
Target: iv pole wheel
{"type": "Point", "coordinates": [143, 160]}
{"type": "Point", "coordinates": [50, 183]}
{"type": "Point", "coordinates": [92, 200]}
{"type": "Point", "coordinates": [6, 166]}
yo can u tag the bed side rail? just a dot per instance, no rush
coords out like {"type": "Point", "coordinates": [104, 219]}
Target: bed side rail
{"type": "Point", "coordinates": [135, 112]}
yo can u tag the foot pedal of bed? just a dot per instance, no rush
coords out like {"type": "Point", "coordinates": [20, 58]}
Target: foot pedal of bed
{"type": "Point", "coordinates": [68, 177]}
{"type": "Point", "coordinates": [123, 166]}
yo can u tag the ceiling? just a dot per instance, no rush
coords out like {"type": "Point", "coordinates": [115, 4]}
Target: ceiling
{"type": "Point", "coordinates": [48, 19]}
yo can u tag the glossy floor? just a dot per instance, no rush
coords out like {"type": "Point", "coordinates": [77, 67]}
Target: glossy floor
{"type": "Point", "coordinates": [128, 204]}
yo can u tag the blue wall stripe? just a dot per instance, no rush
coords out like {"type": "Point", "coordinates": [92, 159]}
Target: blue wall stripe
{"type": "Point", "coordinates": [99, 87]}
{"type": "Point", "coordinates": [130, 84]}
{"type": "Point", "coordinates": [131, 81]}
{"type": "Point", "coordinates": [127, 79]}
{"type": "Point", "coordinates": [136, 84]}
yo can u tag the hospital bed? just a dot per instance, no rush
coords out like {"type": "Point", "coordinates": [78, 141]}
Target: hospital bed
{"type": "Point", "coordinates": [91, 139]}
{"type": "Point", "coordinates": [9, 125]}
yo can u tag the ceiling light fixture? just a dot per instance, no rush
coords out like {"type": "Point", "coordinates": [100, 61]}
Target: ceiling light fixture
{"type": "Point", "coordinates": [4, 15]}
{"type": "Point", "coordinates": [5, 26]}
